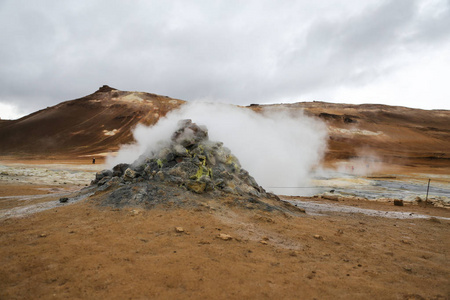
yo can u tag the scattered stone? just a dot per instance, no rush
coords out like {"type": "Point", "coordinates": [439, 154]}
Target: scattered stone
{"type": "Point", "coordinates": [398, 202]}
{"type": "Point", "coordinates": [134, 212]}
{"type": "Point", "coordinates": [119, 169]}
{"type": "Point", "coordinates": [63, 200]}
{"type": "Point", "coordinates": [319, 237]}
{"type": "Point", "coordinates": [179, 229]}
{"type": "Point", "coordinates": [225, 237]}
{"type": "Point", "coordinates": [263, 242]}
{"type": "Point", "coordinates": [196, 186]}
{"type": "Point", "coordinates": [129, 175]}
{"type": "Point", "coordinates": [42, 235]}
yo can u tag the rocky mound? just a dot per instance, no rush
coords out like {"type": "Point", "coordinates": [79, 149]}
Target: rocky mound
{"type": "Point", "coordinates": [190, 170]}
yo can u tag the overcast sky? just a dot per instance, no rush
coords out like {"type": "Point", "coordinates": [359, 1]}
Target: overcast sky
{"type": "Point", "coordinates": [394, 52]}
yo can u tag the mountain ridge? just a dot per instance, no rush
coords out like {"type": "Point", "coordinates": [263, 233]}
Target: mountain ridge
{"type": "Point", "coordinates": [101, 122]}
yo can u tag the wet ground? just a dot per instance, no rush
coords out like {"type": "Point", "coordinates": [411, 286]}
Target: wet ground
{"type": "Point", "coordinates": [27, 189]}
{"type": "Point", "coordinates": [392, 186]}
{"type": "Point", "coordinates": [320, 209]}
{"type": "Point", "coordinates": [49, 174]}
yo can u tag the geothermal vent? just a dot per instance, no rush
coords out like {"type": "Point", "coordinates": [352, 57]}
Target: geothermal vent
{"type": "Point", "coordinates": [189, 170]}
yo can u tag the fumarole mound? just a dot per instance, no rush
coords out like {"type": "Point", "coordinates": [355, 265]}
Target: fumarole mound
{"type": "Point", "coordinates": [188, 171]}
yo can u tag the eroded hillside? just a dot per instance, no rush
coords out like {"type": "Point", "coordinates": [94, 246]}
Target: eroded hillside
{"type": "Point", "coordinates": [391, 133]}
{"type": "Point", "coordinates": [99, 123]}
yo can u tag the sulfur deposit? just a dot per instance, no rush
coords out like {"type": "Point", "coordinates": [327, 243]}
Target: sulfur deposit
{"type": "Point", "coordinates": [189, 167]}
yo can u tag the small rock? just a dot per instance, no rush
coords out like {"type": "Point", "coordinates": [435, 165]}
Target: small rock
{"type": "Point", "coordinates": [129, 175]}
{"type": "Point", "coordinates": [263, 242]}
{"type": "Point", "coordinates": [196, 186]}
{"type": "Point", "coordinates": [225, 237]}
{"type": "Point", "coordinates": [398, 202]}
{"type": "Point", "coordinates": [42, 235]}
{"type": "Point", "coordinates": [135, 212]}
{"type": "Point", "coordinates": [179, 229]}
{"type": "Point", "coordinates": [63, 200]}
{"type": "Point", "coordinates": [319, 237]}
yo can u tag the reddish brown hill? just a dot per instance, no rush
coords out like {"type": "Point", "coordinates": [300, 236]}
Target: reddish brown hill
{"type": "Point", "coordinates": [102, 121]}
{"type": "Point", "coordinates": [393, 133]}
{"type": "Point", "coordinates": [96, 123]}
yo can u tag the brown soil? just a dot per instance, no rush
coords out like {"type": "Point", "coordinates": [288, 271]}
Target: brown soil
{"type": "Point", "coordinates": [84, 251]}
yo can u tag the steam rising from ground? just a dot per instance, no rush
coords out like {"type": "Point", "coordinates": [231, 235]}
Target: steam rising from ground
{"type": "Point", "coordinates": [278, 147]}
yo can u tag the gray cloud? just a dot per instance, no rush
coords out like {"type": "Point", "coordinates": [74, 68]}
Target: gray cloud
{"type": "Point", "coordinates": [230, 51]}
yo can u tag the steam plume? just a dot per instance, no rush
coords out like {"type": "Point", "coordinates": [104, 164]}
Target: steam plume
{"type": "Point", "coordinates": [278, 147]}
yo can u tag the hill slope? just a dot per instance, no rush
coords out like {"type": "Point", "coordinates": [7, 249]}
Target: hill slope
{"type": "Point", "coordinates": [102, 121]}
{"type": "Point", "coordinates": [392, 133]}
{"type": "Point", "coordinates": [96, 123]}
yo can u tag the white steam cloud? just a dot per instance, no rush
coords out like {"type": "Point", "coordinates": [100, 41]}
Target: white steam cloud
{"type": "Point", "coordinates": [279, 148]}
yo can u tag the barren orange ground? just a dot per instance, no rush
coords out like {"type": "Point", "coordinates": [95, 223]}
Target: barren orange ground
{"type": "Point", "coordinates": [82, 251]}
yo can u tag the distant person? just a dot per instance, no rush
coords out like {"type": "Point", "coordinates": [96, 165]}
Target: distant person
{"type": "Point", "coordinates": [93, 160]}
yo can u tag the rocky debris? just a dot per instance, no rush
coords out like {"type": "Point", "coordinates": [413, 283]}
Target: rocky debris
{"type": "Point", "coordinates": [189, 165]}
